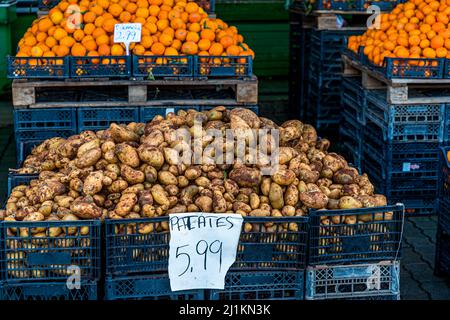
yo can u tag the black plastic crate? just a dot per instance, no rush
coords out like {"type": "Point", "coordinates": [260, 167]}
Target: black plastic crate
{"type": "Point", "coordinates": [37, 68]}
{"type": "Point", "coordinates": [279, 285]}
{"type": "Point", "coordinates": [146, 287]}
{"type": "Point", "coordinates": [129, 251]}
{"type": "Point", "coordinates": [101, 118]}
{"type": "Point", "coordinates": [223, 67]}
{"type": "Point", "coordinates": [351, 137]}
{"type": "Point", "coordinates": [59, 247]}
{"type": "Point", "coordinates": [444, 174]}
{"type": "Point", "coordinates": [100, 67]}
{"type": "Point", "coordinates": [364, 281]}
{"type": "Point", "coordinates": [153, 67]}
{"type": "Point", "coordinates": [406, 123]}
{"type": "Point", "coordinates": [332, 241]}
{"type": "Point", "coordinates": [444, 215]}
{"type": "Point", "coordinates": [49, 290]}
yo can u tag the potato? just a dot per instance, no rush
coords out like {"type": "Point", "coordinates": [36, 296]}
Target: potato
{"type": "Point", "coordinates": [93, 183]}
{"type": "Point", "coordinates": [167, 178]}
{"type": "Point", "coordinates": [151, 155]}
{"type": "Point", "coordinates": [122, 134]}
{"type": "Point", "coordinates": [130, 175]}
{"type": "Point", "coordinates": [89, 158]}
{"type": "Point", "coordinates": [126, 203]}
{"type": "Point", "coordinates": [291, 195]}
{"type": "Point", "coordinates": [159, 195]}
{"type": "Point", "coordinates": [283, 177]}
{"type": "Point", "coordinates": [85, 208]}
{"type": "Point", "coordinates": [245, 176]}
{"type": "Point", "coordinates": [276, 196]}
{"type": "Point", "coordinates": [254, 200]}
{"type": "Point", "coordinates": [204, 203]}
{"type": "Point", "coordinates": [128, 155]}
{"type": "Point", "coordinates": [314, 199]}
{"type": "Point", "coordinates": [188, 193]}
{"type": "Point", "coordinates": [347, 202]}
{"type": "Point", "coordinates": [193, 173]}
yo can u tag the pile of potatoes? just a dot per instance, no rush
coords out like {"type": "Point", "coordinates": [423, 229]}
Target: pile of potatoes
{"type": "Point", "coordinates": [129, 171]}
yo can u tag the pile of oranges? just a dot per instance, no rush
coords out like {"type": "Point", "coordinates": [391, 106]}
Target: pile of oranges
{"type": "Point", "coordinates": [414, 29]}
{"type": "Point", "coordinates": [169, 27]}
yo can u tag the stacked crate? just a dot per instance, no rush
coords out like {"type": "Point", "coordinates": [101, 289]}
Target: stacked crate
{"type": "Point", "coordinates": [39, 263]}
{"type": "Point", "coordinates": [442, 261]}
{"type": "Point", "coordinates": [269, 265]}
{"type": "Point", "coordinates": [401, 121]}
{"type": "Point", "coordinates": [401, 146]}
{"type": "Point", "coordinates": [323, 108]}
{"type": "Point", "coordinates": [352, 124]}
{"type": "Point", "coordinates": [354, 254]}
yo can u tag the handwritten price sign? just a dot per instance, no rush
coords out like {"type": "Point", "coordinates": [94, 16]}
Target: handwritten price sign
{"type": "Point", "coordinates": [202, 249]}
{"type": "Point", "coordinates": [127, 33]}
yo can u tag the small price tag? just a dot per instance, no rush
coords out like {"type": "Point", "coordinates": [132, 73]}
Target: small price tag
{"type": "Point", "coordinates": [406, 166]}
{"type": "Point", "coordinates": [202, 248]}
{"type": "Point", "coordinates": [127, 33]}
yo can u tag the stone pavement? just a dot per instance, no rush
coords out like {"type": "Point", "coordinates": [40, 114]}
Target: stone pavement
{"type": "Point", "coordinates": [417, 281]}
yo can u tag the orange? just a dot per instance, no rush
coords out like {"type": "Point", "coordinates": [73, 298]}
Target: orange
{"type": "Point", "coordinates": [208, 34]}
{"type": "Point", "coordinates": [158, 48]}
{"type": "Point", "coordinates": [170, 52]}
{"type": "Point", "coordinates": [117, 50]}
{"type": "Point", "coordinates": [36, 51]}
{"type": "Point", "coordinates": [62, 51]}
{"type": "Point", "coordinates": [45, 24]}
{"type": "Point", "coordinates": [108, 25]}
{"type": "Point", "coordinates": [89, 28]}
{"type": "Point", "coordinates": [67, 42]}
{"type": "Point", "coordinates": [142, 12]}
{"type": "Point", "coordinates": [441, 52]}
{"type": "Point", "coordinates": [233, 50]}
{"type": "Point", "coordinates": [104, 50]}
{"type": "Point", "coordinates": [204, 44]}
{"type": "Point", "coordinates": [189, 47]}
{"type": "Point", "coordinates": [181, 34]}
{"type": "Point", "coordinates": [102, 39]}
{"type": "Point", "coordinates": [165, 39]}
{"type": "Point", "coordinates": [154, 10]}
{"type": "Point", "coordinates": [90, 45]}
{"type": "Point", "coordinates": [78, 35]}
{"type": "Point", "coordinates": [59, 34]}
{"type": "Point", "coordinates": [437, 42]}
{"type": "Point", "coordinates": [429, 53]}
{"type": "Point", "coordinates": [78, 50]}
{"type": "Point", "coordinates": [115, 10]}
{"type": "Point", "coordinates": [125, 17]}
{"type": "Point", "coordinates": [56, 17]}
{"type": "Point", "coordinates": [146, 41]}
{"type": "Point", "coordinates": [89, 17]}
{"type": "Point", "coordinates": [216, 49]}
{"type": "Point", "coordinates": [192, 36]}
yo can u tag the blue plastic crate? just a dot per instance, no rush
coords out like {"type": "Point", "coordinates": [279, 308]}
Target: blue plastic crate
{"type": "Point", "coordinates": [400, 160]}
{"type": "Point", "coordinates": [24, 149]}
{"type": "Point", "coordinates": [50, 257]}
{"type": "Point", "coordinates": [280, 285]}
{"type": "Point", "coordinates": [442, 256]}
{"type": "Point", "coordinates": [148, 113]}
{"type": "Point", "coordinates": [37, 68]}
{"type": "Point", "coordinates": [45, 119]}
{"type": "Point", "coordinates": [255, 109]}
{"type": "Point", "coordinates": [408, 68]}
{"type": "Point", "coordinates": [101, 118]}
{"type": "Point", "coordinates": [406, 123]}
{"type": "Point", "coordinates": [223, 66]}
{"type": "Point", "coordinates": [100, 67]}
{"type": "Point", "coordinates": [334, 242]}
{"type": "Point", "coordinates": [48, 290]}
{"type": "Point", "coordinates": [146, 287]}
{"type": "Point", "coordinates": [364, 281]}
{"type": "Point", "coordinates": [42, 134]}
{"type": "Point", "coordinates": [351, 137]}
{"type": "Point", "coordinates": [128, 251]}
{"type": "Point", "coordinates": [153, 67]}
{"type": "Point", "coordinates": [354, 98]}
{"type": "Point", "coordinates": [16, 179]}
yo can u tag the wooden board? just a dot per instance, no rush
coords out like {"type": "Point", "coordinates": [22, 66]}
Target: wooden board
{"type": "Point", "coordinates": [25, 93]}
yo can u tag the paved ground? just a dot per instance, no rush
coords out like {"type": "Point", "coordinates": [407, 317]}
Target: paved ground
{"type": "Point", "coordinates": [417, 279]}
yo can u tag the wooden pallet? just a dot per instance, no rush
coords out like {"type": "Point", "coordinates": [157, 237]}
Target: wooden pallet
{"type": "Point", "coordinates": [326, 19]}
{"type": "Point", "coordinates": [26, 94]}
{"type": "Point", "coordinates": [398, 90]}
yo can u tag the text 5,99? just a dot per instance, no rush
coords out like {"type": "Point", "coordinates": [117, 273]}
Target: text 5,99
{"type": "Point", "coordinates": [201, 250]}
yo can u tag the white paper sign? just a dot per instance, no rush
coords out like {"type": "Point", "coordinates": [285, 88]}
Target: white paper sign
{"type": "Point", "coordinates": [127, 33]}
{"type": "Point", "coordinates": [202, 248]}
